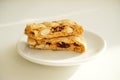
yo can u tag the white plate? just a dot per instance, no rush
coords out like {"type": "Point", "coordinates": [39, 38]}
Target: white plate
{"type": "Point", "coordinates": [95, 46]}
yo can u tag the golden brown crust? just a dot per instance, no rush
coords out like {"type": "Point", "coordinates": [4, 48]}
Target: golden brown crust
{"type": "Point", "coordinates": [53, 29]}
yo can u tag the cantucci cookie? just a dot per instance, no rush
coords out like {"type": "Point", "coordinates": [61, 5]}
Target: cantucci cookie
{"type": "Point", "coordinates": [53, 29]}
{"type": "Point", "coordinates": [71, 43]}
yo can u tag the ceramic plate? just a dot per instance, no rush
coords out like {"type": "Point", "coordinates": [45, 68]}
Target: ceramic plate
{"type": "Point", "coordinates": [95, 46]}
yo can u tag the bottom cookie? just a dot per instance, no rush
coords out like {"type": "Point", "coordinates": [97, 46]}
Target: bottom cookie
{"type": "Point", "coordinates": [71, 43]}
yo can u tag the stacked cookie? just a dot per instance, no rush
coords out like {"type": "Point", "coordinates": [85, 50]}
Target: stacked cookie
{"type": "Point", "coordinates": [56, 35]}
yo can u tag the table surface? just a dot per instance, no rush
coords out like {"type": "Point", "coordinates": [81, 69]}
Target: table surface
{"type": "Point", "coordinates": [101, 17]}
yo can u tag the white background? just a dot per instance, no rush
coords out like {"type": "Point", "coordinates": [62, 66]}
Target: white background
{"type": "Point", "coordinates": [99, 16]}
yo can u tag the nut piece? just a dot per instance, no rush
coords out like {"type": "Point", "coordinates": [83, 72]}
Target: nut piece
{"type": "Point", "coordinates": [31, 41]}
{"type": "Point", "coordinates": [69, 30]}
{"type": "Point", "coordinates": [65, 39]}
{"type": "Point", "coordinates": [45, 32]}
{"type": "Point", "coordinates": [40, 46]}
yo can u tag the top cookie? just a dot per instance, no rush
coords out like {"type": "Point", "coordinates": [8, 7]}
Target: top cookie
{"type": "Point", "coordinates": [53, 29]}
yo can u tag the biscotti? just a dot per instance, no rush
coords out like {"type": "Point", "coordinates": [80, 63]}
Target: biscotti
{"type": "Point", "coordinates": [56, 35]}
{"type": "Point", "coordinates": [53, 29]}
{"type": "Point", "coordinates": [71, 43]}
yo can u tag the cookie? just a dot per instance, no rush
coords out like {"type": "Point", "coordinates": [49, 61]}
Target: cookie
{"type": "Point", "coordinates": [53, 29]}
{"type": "Point", "coordinates": [71, 43]}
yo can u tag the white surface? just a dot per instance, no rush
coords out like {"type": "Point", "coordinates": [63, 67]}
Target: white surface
{"type": "Point", "coordinates": [99, 16]}
{"type": "Point", "coordinates": [95, 46]}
